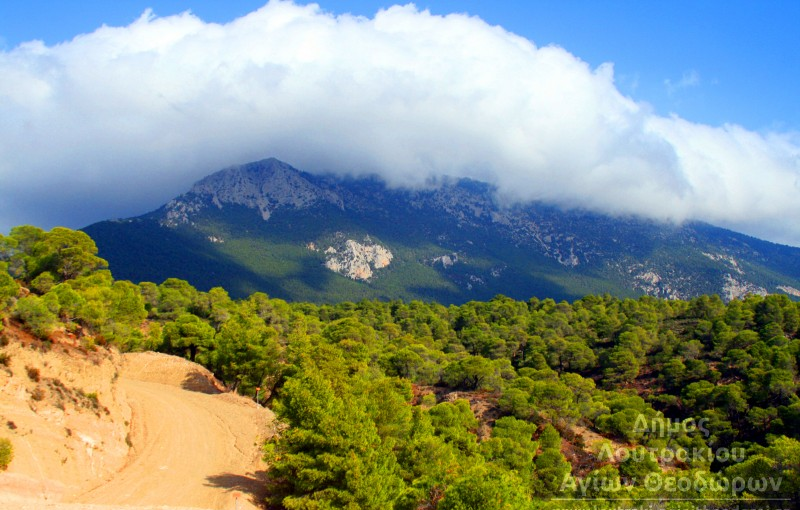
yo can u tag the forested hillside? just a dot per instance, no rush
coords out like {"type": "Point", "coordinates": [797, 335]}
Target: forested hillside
{"type": "Point", "coordinates": [505, 404]}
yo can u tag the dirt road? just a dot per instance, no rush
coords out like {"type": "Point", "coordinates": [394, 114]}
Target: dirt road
{"type": "Point", "coordinates": [192, 447]}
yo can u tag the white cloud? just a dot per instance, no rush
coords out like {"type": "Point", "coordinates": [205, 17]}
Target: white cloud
{"type": "Point", "coordinates": [689, 79]}
{"type": "Point", "coordinates": [116, 122]}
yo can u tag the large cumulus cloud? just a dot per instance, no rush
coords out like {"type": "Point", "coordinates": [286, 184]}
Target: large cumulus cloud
{"type": "Point", "coordinates": [116, 122]}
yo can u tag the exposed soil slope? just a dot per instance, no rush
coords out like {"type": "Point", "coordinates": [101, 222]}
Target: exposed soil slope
{"type": "Point", "coordinates": [191, 445]}
{"type": "Point", "coordinates": [59, 406]}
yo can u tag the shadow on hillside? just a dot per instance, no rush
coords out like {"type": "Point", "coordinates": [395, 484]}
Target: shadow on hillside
{"type": "Point", "coordinates": [199, 383]}
{"type": "Point", "coordinates": [252, 486]}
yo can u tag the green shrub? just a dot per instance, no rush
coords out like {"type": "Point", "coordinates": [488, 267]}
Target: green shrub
{"type": "Point", "coordinates": [37, 315]}
{"type": "Point", "coordinates": [428, 400]}
{"type": "Point", "coordinates": [92, 398]}
{"type": "Point", "coordinates": [6, 453]}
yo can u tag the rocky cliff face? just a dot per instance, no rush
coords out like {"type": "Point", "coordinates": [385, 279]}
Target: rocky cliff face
{"type": "Point", "coordinates": [355, 260]}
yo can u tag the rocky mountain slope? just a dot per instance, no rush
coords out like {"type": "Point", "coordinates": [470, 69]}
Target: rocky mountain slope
{"type": "Point", "coordinates": [266, 226]}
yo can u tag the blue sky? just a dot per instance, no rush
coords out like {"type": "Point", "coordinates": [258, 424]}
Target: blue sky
{"type": "Point", "coordinates": [710, 61]}
{"type": "Point", "coordinates": [672, 110]}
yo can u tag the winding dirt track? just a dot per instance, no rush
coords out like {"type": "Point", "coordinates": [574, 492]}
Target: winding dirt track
{"type": "Point", "coordinates": [192, 447]}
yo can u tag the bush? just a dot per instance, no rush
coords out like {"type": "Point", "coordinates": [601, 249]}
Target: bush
{"type": "Point", "coordinates": [6, 453]}
{"type": "Point", "coordinates": [428, 400]}
{"type": "Point", "coordinates": [93, 400]}
{"type": "Point", "coordinates": [33, 373]}
{"type": "Point", "coordinates": [35, 312]}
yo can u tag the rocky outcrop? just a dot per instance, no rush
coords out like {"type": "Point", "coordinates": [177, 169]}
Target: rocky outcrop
{"type": "Point", "coordinates": [355, 260]}
{"type": "Point", "coordinates": [652, 283]}
{"type": "Point", "coordinates": [729, 261]}
{"type": "Point", "coordinates": [789, 290]}
{"type": "Point", "coordinates": [446, 261]}
{"type": "Point", "coordinates": [734, 288]}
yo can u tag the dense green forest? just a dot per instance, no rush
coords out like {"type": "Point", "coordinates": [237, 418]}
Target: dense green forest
{"type": "Point", "coordinates": [599, 403]}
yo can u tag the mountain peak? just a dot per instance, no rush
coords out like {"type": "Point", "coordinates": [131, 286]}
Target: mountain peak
{"type": "Point", "coordinates": [265, 185]}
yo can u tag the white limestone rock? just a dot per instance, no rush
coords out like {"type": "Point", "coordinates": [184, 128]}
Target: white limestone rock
{"type": "Point", "coordinates": [357, 261]}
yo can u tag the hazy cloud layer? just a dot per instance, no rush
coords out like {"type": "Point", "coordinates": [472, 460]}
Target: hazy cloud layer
{"type": "Point", "coordinates": [116, 122]}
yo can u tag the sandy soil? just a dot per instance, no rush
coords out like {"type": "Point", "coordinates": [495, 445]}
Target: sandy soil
{"type": "Point", "coordinates": [192, 445]}
{"type": "Point", "coordinates": [190, 448]}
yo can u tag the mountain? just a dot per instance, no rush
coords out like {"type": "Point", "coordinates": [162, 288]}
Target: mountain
{"type": "Point", "coordinates": [266, 226]}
